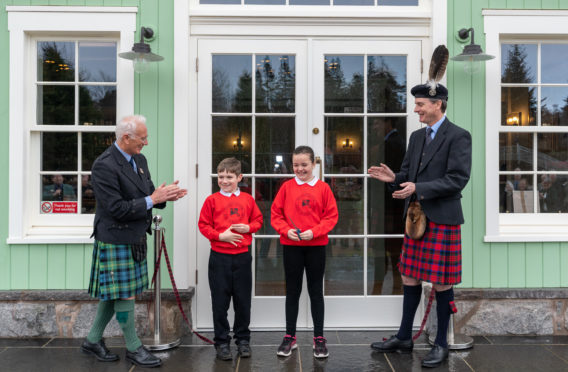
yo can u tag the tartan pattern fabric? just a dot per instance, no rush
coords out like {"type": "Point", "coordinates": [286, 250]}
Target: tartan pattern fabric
{"type": "Point", "coordinates": [436, 258]}
{"type": "Point", "coordinates": [115, 274]}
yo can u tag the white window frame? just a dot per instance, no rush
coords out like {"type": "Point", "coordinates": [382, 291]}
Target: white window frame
{"type": "Point", "coordinates": [501, 26]}
{"type": "Point", "coordinates": [26, 24]}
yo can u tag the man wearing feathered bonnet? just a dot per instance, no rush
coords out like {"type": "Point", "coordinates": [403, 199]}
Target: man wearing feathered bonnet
{"type": "Point", "coordinates": [435, 169]}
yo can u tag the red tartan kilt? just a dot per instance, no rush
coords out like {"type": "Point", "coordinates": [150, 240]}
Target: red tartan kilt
{"type": "Point", "coordinates": [436, 258]}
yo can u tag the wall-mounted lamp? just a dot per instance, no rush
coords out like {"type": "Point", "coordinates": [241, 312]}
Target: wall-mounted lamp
{"type": "Point", "coordinates": [514, 118]}
{"type": "Point", "coordinates": [238, 144]}
{"type": "Point", "coordinates": [472, 54]}
{"type": "Point", "coordinates": [347, 144]}
{"type": "Point", "coordinates": [141, 53]}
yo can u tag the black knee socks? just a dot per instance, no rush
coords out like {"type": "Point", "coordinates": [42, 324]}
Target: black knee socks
{"type": "Point", "coordinates": [443, 310]}
{"type": "Point", "coordinates": [410, 301]}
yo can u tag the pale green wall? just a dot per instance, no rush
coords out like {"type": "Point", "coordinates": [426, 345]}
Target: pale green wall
{"type": "Point", "coordinates": [493, 265]}
{"type": "Point", "coordinates": [64, 266]}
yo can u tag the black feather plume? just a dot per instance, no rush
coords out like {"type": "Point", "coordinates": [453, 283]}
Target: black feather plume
{"type": "Point", "coordinates": [438, 65]}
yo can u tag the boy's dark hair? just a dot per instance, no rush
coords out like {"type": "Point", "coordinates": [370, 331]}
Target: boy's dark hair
{"type": "Point", "coordinates": [304, 150]}
{"type": "Point", "coordinates": [229, 165]}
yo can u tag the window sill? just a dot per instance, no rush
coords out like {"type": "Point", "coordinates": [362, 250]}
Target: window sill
{"type": "Point", "coordinates": [54, 235]}
{"type": "Point", "coordinates": [524, 238]}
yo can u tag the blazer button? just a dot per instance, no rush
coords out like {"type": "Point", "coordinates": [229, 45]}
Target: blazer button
{"type": "Point", "coordinates": [423, 154]}
{"type": "Point", "coordinates": [421, 197]}
{"type": "Point", "coordinates": [420, 163]}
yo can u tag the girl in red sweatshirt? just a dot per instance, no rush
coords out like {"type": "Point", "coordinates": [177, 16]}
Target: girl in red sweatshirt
{"type": "Point", "coordinates": [303, 213]}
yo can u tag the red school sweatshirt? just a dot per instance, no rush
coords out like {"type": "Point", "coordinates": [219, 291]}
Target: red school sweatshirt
{"type": "Point", "coordinates": [219, 212]}
{"type": "Point", "coordinates": [309, 207]}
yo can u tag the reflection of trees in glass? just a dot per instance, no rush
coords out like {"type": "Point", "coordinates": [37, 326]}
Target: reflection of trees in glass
{"type": "Point", "coordinates": [275, 90]}
{"type": "Point", "coordinates": [243, 95]}
{"type": "Point", "coordinates": [384, 92]}
{"type": "Point", "coordinates": [340, 96]}
{"type": "Point", "coordinates": [220, 91]}
{"type": "Point", "coordinates": [516, 70]}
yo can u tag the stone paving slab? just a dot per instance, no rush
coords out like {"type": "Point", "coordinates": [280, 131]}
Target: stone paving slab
{"type": "Point", "coordinates": [535, 340]}
{"type": "Point", "coordinates": [24, 342]}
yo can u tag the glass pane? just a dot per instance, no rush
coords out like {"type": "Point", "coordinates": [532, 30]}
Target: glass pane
{"type": "Point", "coordinates": [516, 194]}
{"type": "Point", "coordinates": [97, 105]}
{"type": "Point", "coordinates": [518, 106]}
{"type": "Point", "coordinates": [383, 277]}
{"type": "Point", "coordinates": [275, 83]}
{"type": "Point", "coordinates": [348, 194]}
{"type": "Point", "coordinates": [518, 63]}
{"type": "Point", "coordinates": [353, 2]}
{"type": "Point", "coordinates": [343, 143]}
{"type": "Point", "coordinates": [97, 61]}
{"type": "Point", "coordinates": [55, 61]}
{"type": "Point", "coordinates": [552, 193]}
{"type": "Point", "coordinates": [232, 83]}
{"type": "Point", "coordinates": [554, 106]}
{"type": "Point", "coordinates": [232, 138]}
{"type": "Point", "coordinates": [266, 2]}
{"type": "Point", "coordinates": [552, 151]}
{"type": "Point", "coordinates": [219, 1]}
{"type": "Point", "coordinates": [515, 151]}
{"type": "Point", "coordinates": [59, 151]}
{"type": "Point", "coordinates": [344, 268]}
{"type": "Point", "coordinates": [554, 63]}
{"type": "Point", "coordinates": [309, 2]}
{"type": "Point", "coordinates": [87, 195]}
{"type": "Point", "coordinates": [344, 83]}
{"type": "Point", "coordinates": [92, 145]}
{"type": "Point", "coordinates": [214, 186]}
{"type": "Point", "coordinates": [386, 84]}
{"type": "Point", "coordinates": [269, 268]}
{"type": "Point", "coordinates": [275, 139]}
{"type": "Point", "coordinates": [56, 105]}
{"type": "Point", "coordinates": [398, 2]}
{"type": "Point", "coordinates": [266, 190]}
{"type": "Point", "coordinates": [383, 212]}
{"type": "Point", "coordinates": [57, 187]}
{"type": "Point", "coordinates": [386, 141]}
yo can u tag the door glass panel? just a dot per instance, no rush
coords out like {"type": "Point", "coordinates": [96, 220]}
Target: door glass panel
{"type": "Point", "coordinates": [275, 83]}
{"type": "Point", "coordinates": [266, 190]}
{"type": "Point", "coordinates": [232, 83]}
{"type": "Point", "coordinates": [382, 266]}
{"type": "Point", "coordinates": [353, 2]}
{"type": "Point", "coordinates": [266, 2]}
{"type": "Point", "coordinates": [386, 83]}
{"type": "Point", "coordinates": [348, 193]}
{"type": "Point", "coordinates": [269, 268]}
{"type": "Point", "coordinates": [274, 144]}
{"type": "Point", "coordinates": [344, 267]}
{"type": "Point", "coordinates": [232, 138]}
{"type": "Point", "coordinates": [343, 139]}
{"type": "Point", "coordinates": [344, 83]}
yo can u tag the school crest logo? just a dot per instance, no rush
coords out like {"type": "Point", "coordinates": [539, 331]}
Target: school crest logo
{"type": "Point", "coordinates": [234, 212]}
{"type": "Point", "coordinates": [305, 204]}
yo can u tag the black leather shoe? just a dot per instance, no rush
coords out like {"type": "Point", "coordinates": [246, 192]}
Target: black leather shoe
{"type": "Point", "coordinates": [143, 357]}
{"type": "Point", "coordinates": [99, 350]}
{"type": "Point", "coordinates": [435, 357]}
{"type": "Point", "coordinates": [243, 349]}
{"type": "Point", "coordinates": [392, 345]}
{"type": "Point", "coordinates": [223, 352]}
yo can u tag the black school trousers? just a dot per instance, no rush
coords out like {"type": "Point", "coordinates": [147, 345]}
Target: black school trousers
{"type": "Point", "coordinates": [230, 276]}
{"type": "Point", "coordinates": [312, 259]}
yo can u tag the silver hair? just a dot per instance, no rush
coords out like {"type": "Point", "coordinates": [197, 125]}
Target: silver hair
{"type": "Point", "coordinates": [127, 125]}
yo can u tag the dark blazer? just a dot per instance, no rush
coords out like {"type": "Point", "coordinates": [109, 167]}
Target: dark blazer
{"type": "Point", "coordinates": [440, 171]}
{"type": "Point", "coordinates": [121, 216]}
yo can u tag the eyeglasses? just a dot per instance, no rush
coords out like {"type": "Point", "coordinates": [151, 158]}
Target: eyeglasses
{"type": "Point", "coordinates": [144, 139]}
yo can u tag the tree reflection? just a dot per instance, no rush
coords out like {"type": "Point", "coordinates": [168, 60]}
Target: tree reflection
{"type": "Point", "coordinates": [384, 92]}
{"type": "Point", "coordinates": [517, 70]}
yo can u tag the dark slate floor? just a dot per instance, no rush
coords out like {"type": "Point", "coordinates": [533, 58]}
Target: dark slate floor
{"type": "Point", "coordinates": [349, 351]}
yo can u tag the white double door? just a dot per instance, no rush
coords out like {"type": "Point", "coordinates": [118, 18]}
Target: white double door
{"type": "Point", "coordinates": [347, 99]}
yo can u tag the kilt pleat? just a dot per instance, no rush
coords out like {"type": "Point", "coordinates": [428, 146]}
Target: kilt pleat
{"type": "Point", "coordinates": [436, 258]}
{"type": "Point", "coordinates": [114, 273]}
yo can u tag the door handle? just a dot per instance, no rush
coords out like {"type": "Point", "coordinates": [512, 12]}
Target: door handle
{"type": "Point", "coordinates": [318, 161]}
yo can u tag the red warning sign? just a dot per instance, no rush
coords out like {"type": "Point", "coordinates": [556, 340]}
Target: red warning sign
{"type": "Point", "coordinates": [59, 207]}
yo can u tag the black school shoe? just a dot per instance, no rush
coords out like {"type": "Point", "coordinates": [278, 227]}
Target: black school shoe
{"type": "Point", "coordinates": [435, 357]}
{"type": "Point", "coordinates": [392, 345]}
{"type": "Point", "coordinates": [143, 357]}
{"type": "Point", "coordinates": [99, 350]}
{"type": "Point", "coordinates": [243, 349]}
{"type": "Point", "coordinates": [223, 352]}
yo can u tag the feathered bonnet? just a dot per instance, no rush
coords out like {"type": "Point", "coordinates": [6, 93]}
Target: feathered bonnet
{"type": "Point", "coordinates": [432, 89]}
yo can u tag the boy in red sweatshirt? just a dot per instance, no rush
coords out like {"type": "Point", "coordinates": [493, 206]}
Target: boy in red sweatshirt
{"type": "Point", "coordinates": [228, 218]}
{"type": "Point", "coordinates": [303, 213]}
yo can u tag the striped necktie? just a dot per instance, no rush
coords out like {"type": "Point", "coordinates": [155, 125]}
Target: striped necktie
{"type": "Point", "coordinates": [428, 135]}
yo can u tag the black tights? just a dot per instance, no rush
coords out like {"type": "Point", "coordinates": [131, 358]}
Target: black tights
{"type": "Point", "coordinates": [312, 258]}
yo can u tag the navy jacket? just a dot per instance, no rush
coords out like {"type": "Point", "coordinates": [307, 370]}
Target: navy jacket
{"type": "Point", "coordinates": [440, 171]}
{"type": "Point", "coordinates": [121, 216]}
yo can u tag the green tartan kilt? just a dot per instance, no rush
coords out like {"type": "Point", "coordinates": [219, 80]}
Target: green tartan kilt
{"type": "Point", "coordinates": [115, 274]}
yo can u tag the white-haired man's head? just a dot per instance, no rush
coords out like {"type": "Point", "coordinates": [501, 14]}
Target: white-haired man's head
{"type": "Point", "coordinates": [132, 134]}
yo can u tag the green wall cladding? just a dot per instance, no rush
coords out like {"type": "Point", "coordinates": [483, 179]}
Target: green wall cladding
{"type": "Point", "coordinates": [67, 266]}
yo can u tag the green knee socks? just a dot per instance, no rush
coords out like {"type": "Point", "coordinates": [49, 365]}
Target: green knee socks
{"type": "Point", "coordinates": [105, 311]}
{"type": "Point", "coordinates": [125, 316]}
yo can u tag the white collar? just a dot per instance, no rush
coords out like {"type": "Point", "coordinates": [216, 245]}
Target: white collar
{"type": "Point", "coordinates": [311, 183]}
{"type": "Point", "coordinates": [237, 192]}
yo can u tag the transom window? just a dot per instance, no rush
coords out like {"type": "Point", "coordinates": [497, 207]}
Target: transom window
{"type": "Point", "coordinates": [314, 2]}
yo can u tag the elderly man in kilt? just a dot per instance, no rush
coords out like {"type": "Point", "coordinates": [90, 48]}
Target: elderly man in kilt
{"type": "Point", "coordinates": [125, 196]}
{"type": "Point", "coordinates": [435, 169]}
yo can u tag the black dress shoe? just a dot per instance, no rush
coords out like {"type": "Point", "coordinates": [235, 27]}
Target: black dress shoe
{"type": "Point", "coordinates": [393, 344]}
{"type": "Point", "coordinates": [243, 349]}
{"type": "Point", "coordinates": [223, 352]}
{"type": "Point", "coordinates": [143, 357]}
{"type": "Point", "coordinates": [435, 357]}
{"type": "Point", "coordinates": [99, 350]}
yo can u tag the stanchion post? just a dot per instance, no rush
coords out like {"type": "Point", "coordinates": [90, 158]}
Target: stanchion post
{"type": "Point", "coordinates": [158, 342]}
{"type": "Point", "coordinates": [455, 341]}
